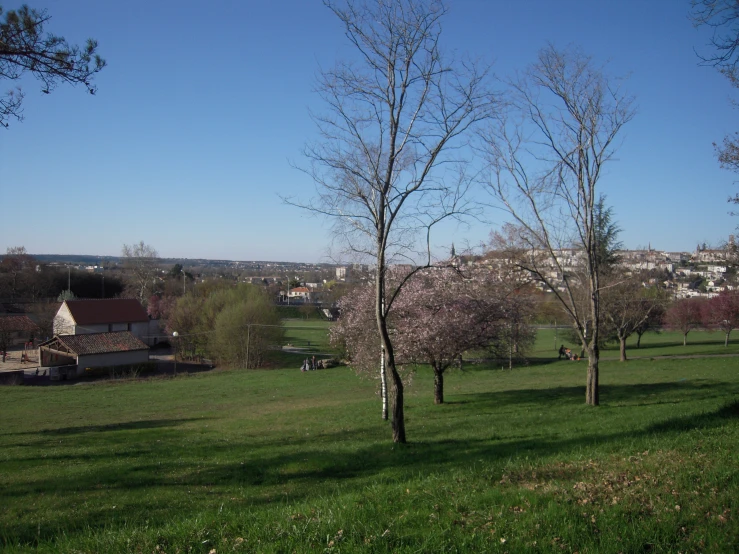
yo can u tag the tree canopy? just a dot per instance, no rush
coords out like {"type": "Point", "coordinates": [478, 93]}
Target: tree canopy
{"type": "Point", "coordinates": [25, 47]}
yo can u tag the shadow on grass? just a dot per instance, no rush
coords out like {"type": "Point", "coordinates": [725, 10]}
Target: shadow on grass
{"type": "Point", "coordinates": [700, 421]}
{"type": "Point", "coordinates": [321, 464]}
{"type": "Point", "coordinates": [718, 342]}
{"type": "Point", "coordinates": [638, 394]}
{"type": "Point", "coordinates": [125, 426]}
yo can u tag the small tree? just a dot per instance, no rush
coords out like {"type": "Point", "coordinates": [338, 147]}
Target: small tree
{"type": "Point", "coordinates": [140, 260]}
{"type": "Point", "coordinates": [722, 311]}
{"type": "Point", "coordinates": [627, 306]}
{"type": "Point", "coordinates": [439, 315]}
{"type": "Point", "coordinates": [516, 335]}
{"type": "Point", "coordinates": [684, 316]}
{"type": "Point", "coordinates": [26, 48]}
{"type": "Point", "coordinates": [16, 268]}
{"type": "Point", "coordinates": [659, 299]}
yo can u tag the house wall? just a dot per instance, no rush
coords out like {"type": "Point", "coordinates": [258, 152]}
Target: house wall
{"type": "Point", "coordinates": [63, 322]}
{"type": "Point", "coordinates": [156, 332]}
{"type": "Point", "coordinates": [112, 359]}
{"type": "Point", "coordinates": [87, 329]}
{"type": "Point", "coordinates": [141, 331]}
{"type": "Point", "coordinates": [138, 330]}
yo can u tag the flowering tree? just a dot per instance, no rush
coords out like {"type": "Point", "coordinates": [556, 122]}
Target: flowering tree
{"type": "Point", "coordinates": [722, 311]}
{"type": "Point", "coordinates": [684, 316]}
{"type": "Point", "coordinates": [439, 314]}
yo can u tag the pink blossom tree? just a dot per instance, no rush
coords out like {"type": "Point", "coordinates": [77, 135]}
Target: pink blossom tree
{"type": "Point", "coordinates": [439, 314]}
{"type": "Point", "coordinates": [722, 311]}
{"type": "Point", "coordinates": [684, 316]}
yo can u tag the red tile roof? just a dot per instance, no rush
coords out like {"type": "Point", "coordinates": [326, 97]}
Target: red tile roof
{"type": "Point", "coordinates": [17, 323]}
{"type": "Point", "coordinates": [98, 343]}
{"type": "Point", "coordinates": [109, 310]}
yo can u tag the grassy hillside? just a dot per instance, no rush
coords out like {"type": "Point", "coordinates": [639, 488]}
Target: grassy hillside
{"type": "Point", "coordinates": [284, 461]}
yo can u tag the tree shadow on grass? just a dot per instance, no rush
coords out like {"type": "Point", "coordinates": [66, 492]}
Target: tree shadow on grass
{"type": "Point", "coordinates": [210, 474]}
{"type": "Point", "coordinates": [123, 426]}
{"type": "Point", "coordinates": [306, 467]}
{"type": "Point", "coordinates": [636, 394]}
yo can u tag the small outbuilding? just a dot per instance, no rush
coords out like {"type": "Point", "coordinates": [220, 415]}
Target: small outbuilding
{"type": "Point", "coordinates": [93, 350]}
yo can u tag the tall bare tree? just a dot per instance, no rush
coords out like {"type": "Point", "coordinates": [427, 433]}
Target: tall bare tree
{"type": "Point", "coordinates": [140, 260]}
{"type": "Point", "coordinates": [26, 48]}
{"type": "Point", "coordinates": [390, 138]}
{"type": "Point", "coordinates": [722, 16]}
{"type": "Point", "coordinates": [546, 158]}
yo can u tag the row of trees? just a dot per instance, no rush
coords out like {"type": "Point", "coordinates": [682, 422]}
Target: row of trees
{"type": "Point", "coordinates": [720, 312]}
{"type": "Point", "coordinates": [23, 276]}
{"type": "Point", "coordinates": [235, 325]}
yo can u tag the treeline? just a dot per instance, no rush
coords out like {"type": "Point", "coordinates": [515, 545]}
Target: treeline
{"type": "Point", "coordinates": [234, 325]}
{"type": "Point", "coordinates": [23, 276]}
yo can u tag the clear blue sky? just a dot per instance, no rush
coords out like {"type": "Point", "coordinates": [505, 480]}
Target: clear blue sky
{"type": "Point", "coordinates": [202, 114]}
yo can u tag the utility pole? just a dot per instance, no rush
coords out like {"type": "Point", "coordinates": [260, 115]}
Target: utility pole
{"type": "Point", "coordinates": [183, 281]}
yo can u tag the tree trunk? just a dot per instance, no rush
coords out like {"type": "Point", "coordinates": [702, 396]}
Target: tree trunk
{"type": "Point", "coordinates": [438, 386]}
{"type": "Point", "coordinates": [398, 422]}
{"type": "Point", "coordinates": [685, 339]}
{"type": "Point", "coordinates": [622, 348]}
{"type": "Point", "coordinates": [726, 340]}
{"type": "Point", "coordinates": [592, 396]}
{"type": "Point", "coordinates": [638, 340]}
{"type": "Point", "coordinates": [383, 384]}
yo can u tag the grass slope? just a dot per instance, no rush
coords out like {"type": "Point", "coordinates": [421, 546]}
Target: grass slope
{"type": "Point", "coordinates": [284, 461]}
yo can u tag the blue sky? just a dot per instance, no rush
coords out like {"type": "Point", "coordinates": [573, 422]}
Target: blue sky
{"type": "Point", "coordinates": [202, 114]}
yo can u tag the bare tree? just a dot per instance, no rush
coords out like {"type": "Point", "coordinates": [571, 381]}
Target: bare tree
{"type": "Point", "coordinates": [627, 307]}
{"type": "Point", "coordinates": [26, 48]}
{"type": "Point", "coordinates": [140, 259]}
{"type": "Point", "coordinates": [546, 159]}
{"type": "Point", "coordinates": [16, 267]}
{"type": "Point", "coordinates": [722, 16]}
{"type": "Point", "coordinates": [389, 140]}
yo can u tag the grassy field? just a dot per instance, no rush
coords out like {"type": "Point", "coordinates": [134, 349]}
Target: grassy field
{"type": "Point", "coordinates": [284, 461]}
{"type": "Point", "coordinates": [665, 343]}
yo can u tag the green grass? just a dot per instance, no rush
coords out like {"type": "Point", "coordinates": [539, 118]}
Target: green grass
{"type": "Point", "coordinates": [284, 461]}
{"type": "Point", "coordinates": [665, 343]}
{"type": "Point", "coordinates": [303, 338]}
{"type": "Point", "coordinates": [310, 334]}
